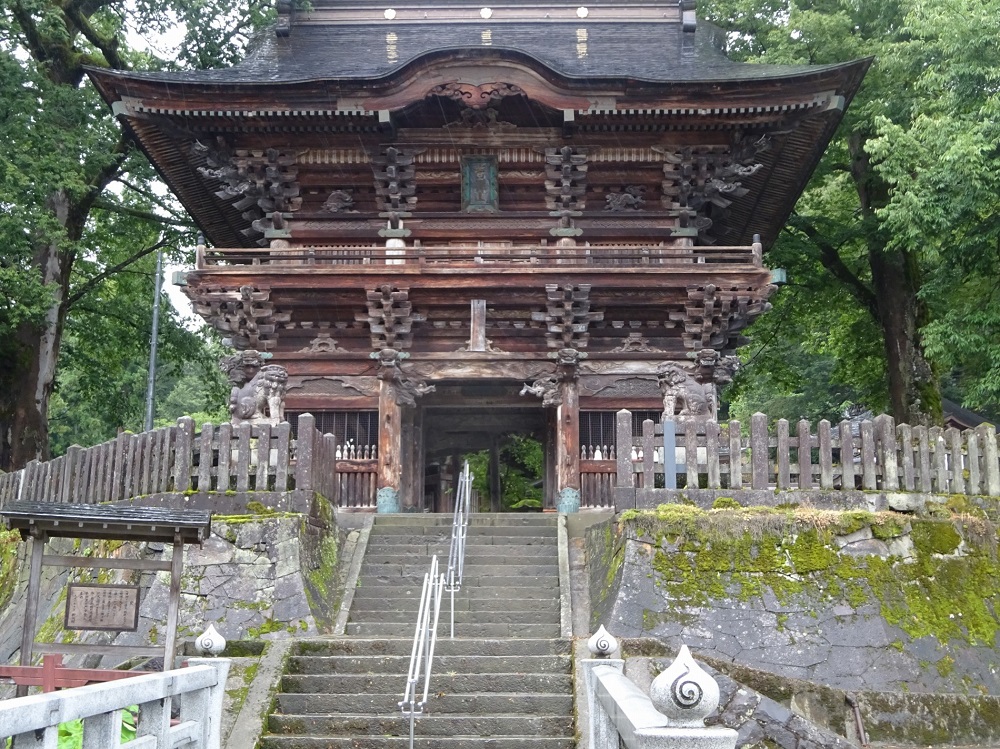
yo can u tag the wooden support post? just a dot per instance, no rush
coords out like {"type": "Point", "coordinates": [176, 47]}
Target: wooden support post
{"type": "Point", "coordinates": [804, 455]}
{"type": "Point", "coordinates": [885, 433]}
{"type": "Point", "coordinates": [174, 604]}
{"type": "Point", "coordinates": [477, 336]}
{"type": "Point", "coordinates": [31, 605]}
{"type": "Point", "coordinates": [759, 459]}
{"type": "Point", "coordinates": [568, 444]}
{"type": "Point", "coordinates": [496, 489]}
{"type": "Point", "coordinates": [419, 458]}
{"type": "Point", "coordinates": [825, 455]}
{"type": "Point", "coordinates": [551, 481]}
{"type": "Point", "coordinates": [991, 467]}
{"type": "Point", "coordinates": [735, 456]}
{"type": "Point", "coordinates": [407, 460]}
{"type": "Point", "coordinates": [389, 447]}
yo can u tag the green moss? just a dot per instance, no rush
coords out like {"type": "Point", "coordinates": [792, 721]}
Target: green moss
{"type": "Point", "coordinates": [935, 537]}
{"type": "Point", "coordinates": [258, 508]}
{"type": "Point", "coordinates": [10, 544]}
{"type": "Point", "coordinates": [945, 666]}
{"type": "Point", "coordinates": [726, 503]}
{"type": "Point", "coordinates": [699, 556]}
{"type": "Point", "coordinates": [269, 626]}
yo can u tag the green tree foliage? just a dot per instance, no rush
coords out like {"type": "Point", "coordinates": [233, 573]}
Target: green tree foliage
{"type": "Point", "coordinates": [78, 206]}
{"type": "Point", "coordinates": [893, 250]}
{"type": "Point", "coordinates": [521, 465]}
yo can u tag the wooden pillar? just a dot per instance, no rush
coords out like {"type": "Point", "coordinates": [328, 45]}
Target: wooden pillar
{"type": "Point", "coordinates": [456, 470]}
{"type": "Point", "coordinates": [568, 445]}
{"type": "Point", "coordinates": [407, 460]}
{"type": "Point", "coordinates": [389, 447]}
{"type": "Point", "coordinates": [550, 488]}
{"type": "Point", "coordinates": [496, 490]}
{"type": "Point", "coordinates": [419, 461]}
{"type": "Point", "coordinates": [38, 541]}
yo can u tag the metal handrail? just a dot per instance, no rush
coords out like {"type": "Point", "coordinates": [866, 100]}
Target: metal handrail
{"type": "Point", "coordinates": [424, 640]}
{"type": "Point", "coordinates": [459, 527]}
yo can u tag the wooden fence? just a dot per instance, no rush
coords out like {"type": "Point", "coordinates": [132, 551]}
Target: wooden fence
{"type": "Point", "coordinates": [218, 459]}
{"type": "Point", "coordinates": [598, 472]}
{"type": "Point", "coordinates": [869, 455]}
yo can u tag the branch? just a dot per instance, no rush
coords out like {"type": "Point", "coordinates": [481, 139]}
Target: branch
{"type": "Point", "coordinates": [108, 47]}
{"type": "Point", "coordinates": [93, 283]}
{"type": "Point", "coordinates": [831, 260]}
{"type": "Point", "coordinates": [105, 175]}
{"type": "Point", "coordinates": [145, 215]}
{"type": "Point", "coordinates": [147, 195]}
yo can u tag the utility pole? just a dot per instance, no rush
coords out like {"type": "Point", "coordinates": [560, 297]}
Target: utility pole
{"type": "Point", "coordinates": [153, 339]}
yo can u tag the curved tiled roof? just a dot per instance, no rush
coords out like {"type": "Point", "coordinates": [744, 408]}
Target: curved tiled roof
{"type": "Point", "coordinates": [642, 52]}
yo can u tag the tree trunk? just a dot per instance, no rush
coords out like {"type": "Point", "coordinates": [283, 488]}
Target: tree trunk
{"type": "Point", "coordinates": [913, 389]}
{"type": "Point", "coordinates": [914, 392]}
{"type": "Point", "coordinates": [27, 437]}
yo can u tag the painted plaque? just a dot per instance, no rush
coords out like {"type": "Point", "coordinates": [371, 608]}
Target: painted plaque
{"type": "Point", "coordinates": [479, 184]}
{"type": "Point", "coordinates": [102, 607]}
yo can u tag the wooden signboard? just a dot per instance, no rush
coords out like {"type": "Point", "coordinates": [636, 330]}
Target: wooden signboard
{"type": "Point", "coordinates": [113, 608]}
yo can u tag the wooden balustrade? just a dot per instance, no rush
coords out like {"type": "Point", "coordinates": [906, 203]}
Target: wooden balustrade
{"type": "Point", "coordinates": [867, 455]}
{"type": "Point", "coordinates": [223, 458]}
{"type": "Point", "coordinates": [426, 255]}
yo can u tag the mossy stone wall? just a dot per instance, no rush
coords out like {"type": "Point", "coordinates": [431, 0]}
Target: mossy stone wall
{"type": "Point", "coordinates": [857, 600]}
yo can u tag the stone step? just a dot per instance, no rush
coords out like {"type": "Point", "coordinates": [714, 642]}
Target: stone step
{"type": "Point", "coordinates": [474, 531]}
{"type": "Point", "coordinates": [399, 629]}
{"type": "Point", "coordinates": [474, 519]}
{"type": "Point", "coordinates": [460, 646]}
{"type": "Point", "coordinates": [443, 682]}
{"type": "Point", "coordinates": [471, 570]}
{"type": "Point", "coordinates": [461, 617]}
{"type": "Point", "coordinates": [399, 664]}
{"type": "Point", "coordinates": [470, 581]}
{"type": "Point", "coordinates": [476, 557]}
{"type": "Point", "coordinates": [471, 542]}
{"type": "Point", "coordinates": [372, 602]}
{"type": "Point", "coordinates": [431, 724]}
{"type": "Point", "coordinates": [399, 742]}
{"type": "Point", "coordinates": [500, 703]}
{"type": "Point", "coordinates": [427, 549]}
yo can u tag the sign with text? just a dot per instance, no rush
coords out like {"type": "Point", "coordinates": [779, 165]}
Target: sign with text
{"type": "Point", "coordinates": [102, 607]}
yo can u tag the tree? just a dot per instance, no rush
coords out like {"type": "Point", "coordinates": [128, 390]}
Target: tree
{"type": "Point", "coordinates": [899, 222]}
{"type": "Point", "coordinates": [69, 177]}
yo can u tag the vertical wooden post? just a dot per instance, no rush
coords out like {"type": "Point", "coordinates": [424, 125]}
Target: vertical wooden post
{"type": "Point", "coordinates": [712, 454]}
{"type": "Point", "coordinates": [390, 418]}
{"type": "Point", "coordinates": [869, 480]}
{"type": "Point", "coordinates": [623, 449]}
{"type": "Point", "coordinates": [419, 458]}
{"type": "Point", "coordinates": [904, 440]}
{"type": "Point", "coordinates": [735, 456]}
{"type": "Point", "coordinates": [407, 458]}
{"type": "Point", "coordinates": [305, 445]}
{"type": "Point", "coordinates": [885, 432]}
{"type": "Point", "coordinates": [551, 480]}
{"type": "Point", "coordinates": [825, 455]}
{"type": "Point", "coordinates": [954, 439]}
{"type": "Point", "coordinates": [648, 454]}
{"type": "Point", "coordinates": [972, 450]}
{"type": "Point", "coordinates": [496, 489]}
{"type": "Point", "coordinates": [991, 467]}
{"type": "Point", "coordinates": [804, 455]}
{"type": "Point", "coordinates": [784, 478]}
{"type": "Point", "coordinates": [568, 441]}
{"type": "Point", "coordinates": [669, 453]}
{"type": "Point", "coordinates": [174, 604]}
{"type": "Point", "coordinates": [759, 453]}
{"type": "Point", "coordinates": [31, 605]}
{"type": "Point", "coordinates": [846, 455]}
{"type": "Point", "coordinates": [477, 335]}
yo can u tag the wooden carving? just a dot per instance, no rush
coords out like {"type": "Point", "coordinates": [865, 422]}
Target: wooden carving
{"type": "Point", "coordinates": [390, 318]}
{"type": "Point", "coordinates": [715, 317]}
{"type": "Point", "coordinates": [395, 181]}
{"type": "Point", "coordinates": [340, 201]}
{"type": "Point", "coordinates": [262, 183]}
{"type": "Point", "coordinates": [629, 199]}
{"type": "Point", "coordinates": [258, 394]}
{"type": "Point", "coordinates": [476, 97]}
{"type": "Point", "coordinates": [566, 179]}
{"type": "Point", "coordinates": [247, 316]}
{"type": "Point", "coordinates": [567, 316]}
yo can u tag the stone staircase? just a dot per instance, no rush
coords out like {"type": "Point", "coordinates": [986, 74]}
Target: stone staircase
{"type": "Point", "coordinates": [505, 681]}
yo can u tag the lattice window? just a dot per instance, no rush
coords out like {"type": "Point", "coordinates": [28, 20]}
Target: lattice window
{"type": "Point", "coordinates": [597, 428]}
{"type": "Point", "coordinates": [359, 428]}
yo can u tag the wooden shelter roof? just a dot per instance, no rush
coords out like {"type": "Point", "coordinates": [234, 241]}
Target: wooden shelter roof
{"type": "Point", "coordinates": [117, 522]}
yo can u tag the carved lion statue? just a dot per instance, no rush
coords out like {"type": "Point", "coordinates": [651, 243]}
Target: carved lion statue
{"type": "Point", "coordinates": [683, 395]}
{"type": "Point", "coordinates": [258, 394]}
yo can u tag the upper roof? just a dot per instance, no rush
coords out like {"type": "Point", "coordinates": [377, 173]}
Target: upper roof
{"type": "Point", "coordinates": [581, 49]}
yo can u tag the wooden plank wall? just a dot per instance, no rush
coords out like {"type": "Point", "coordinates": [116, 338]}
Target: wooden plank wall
{"type": "Point", "coordinates": [217, 458]}
{"type": "Point", "coordinates": [871, 455]}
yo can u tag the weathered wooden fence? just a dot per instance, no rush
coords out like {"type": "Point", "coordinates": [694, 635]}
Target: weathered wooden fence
{"type": "Point", "coordinates": [218, 459]}
{"type": "Point", "coordinates": [598, 469]}
{"type": "Point", "coordinates": [868, 455]}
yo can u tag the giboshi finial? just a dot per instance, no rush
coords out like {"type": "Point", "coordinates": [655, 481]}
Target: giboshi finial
{"type": "Point", "coordinates": [602, 644]}
{"type": "Point", "coordinates": [685, 692]}
{"type": "Point", "coordinates": [210, 642]}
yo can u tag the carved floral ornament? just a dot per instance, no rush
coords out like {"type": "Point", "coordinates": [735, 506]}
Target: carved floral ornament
{"type": "Point", "coordinates": [476, 97]}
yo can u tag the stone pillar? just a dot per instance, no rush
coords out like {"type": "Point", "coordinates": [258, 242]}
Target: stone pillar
{"type": "Point", "coordinates": [389, 447]}
{"type": "Point", "coordinates": [568, 445]}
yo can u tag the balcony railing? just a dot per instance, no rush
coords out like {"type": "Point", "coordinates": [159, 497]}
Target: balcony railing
{"type": "Point", "coordinates": [471, 255]}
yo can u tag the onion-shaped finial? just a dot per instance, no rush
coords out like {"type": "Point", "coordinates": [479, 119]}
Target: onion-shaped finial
{"type": "Point", "coordinates": [685, 692]}
{"type": "Point", "coordinates": [210, 642]}
{"type": "Point", "coordinates": [602, 644]}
